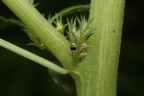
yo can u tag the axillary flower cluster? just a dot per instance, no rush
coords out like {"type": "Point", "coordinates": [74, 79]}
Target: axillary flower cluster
{"type": "Point", "coordinates": [78, 36]}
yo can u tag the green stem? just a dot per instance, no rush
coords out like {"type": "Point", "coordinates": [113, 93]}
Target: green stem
{"type": "Point", "coordinates": [97, 72]}
{"type": "Point", "coordinates": [99, 69]}
{"type": "Point", "coordinates": [32, 57]}
{"type": "Point", "coordinates": [42, 29]}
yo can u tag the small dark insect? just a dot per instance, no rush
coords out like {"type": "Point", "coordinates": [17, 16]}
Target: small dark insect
{"type": "Point", "coordinates": [73, 48]}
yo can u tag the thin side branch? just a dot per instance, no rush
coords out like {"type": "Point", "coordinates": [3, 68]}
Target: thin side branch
{"type": "Point", "coordinates": [32, 57]}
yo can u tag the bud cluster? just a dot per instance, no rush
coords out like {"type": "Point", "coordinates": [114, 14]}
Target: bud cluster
{"type": "Point", "coordinates": [78, 36]}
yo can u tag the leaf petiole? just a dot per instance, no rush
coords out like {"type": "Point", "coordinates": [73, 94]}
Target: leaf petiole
{"type": "Point", "coordinates": [32, 57]}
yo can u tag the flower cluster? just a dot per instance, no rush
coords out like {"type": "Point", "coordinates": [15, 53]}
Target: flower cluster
{"type": "Point", "coordinates": [79, 35]}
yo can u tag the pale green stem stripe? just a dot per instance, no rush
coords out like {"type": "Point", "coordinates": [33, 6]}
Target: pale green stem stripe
{"type": "Point", "coordinates": [32, 57]}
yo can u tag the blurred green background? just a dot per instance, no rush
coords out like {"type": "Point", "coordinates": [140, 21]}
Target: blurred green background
{"type": "Point", "coordinates": [22, 77]}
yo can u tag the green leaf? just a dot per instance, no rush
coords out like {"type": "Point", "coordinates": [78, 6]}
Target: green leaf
{"type": "Point", "coordinates": [71, 10]}
{"type": "Point", "coordinates": [65, 81]}
{"type": "Point", "coordinates": [4, 22]}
